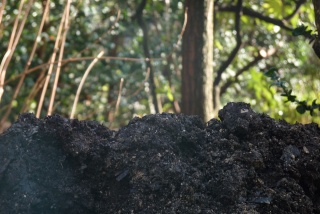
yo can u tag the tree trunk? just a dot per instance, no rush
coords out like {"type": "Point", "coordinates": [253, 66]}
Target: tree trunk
{"type": "Point", "coordinates": [316, 45]}
{"type": "Point", "coordinates": [197, 62]}
{"type": "Point", "coordinates": [316, 5]}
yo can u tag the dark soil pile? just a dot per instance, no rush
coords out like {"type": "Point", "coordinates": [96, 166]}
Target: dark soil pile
{"type": "Point", "coordinates": [164, 163]}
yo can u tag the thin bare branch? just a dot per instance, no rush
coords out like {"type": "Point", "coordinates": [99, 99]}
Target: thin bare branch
{"type": "Point", "coordinates": [52, 59]}
{"type": "Point", "coordinates": [176, 45]}
{"type": "Point", "coordinates": [15, 37]}
{"type": "Point", "coordinates": [234, 52]}
{"type": "Point", "coordinates": [254, 14]}
{"type": "Point", "coordinates": [3, 4]}
{"type": "Point", "coordinates": [65, 61]}
{"type": "Point", "coordinates": [35, 44]}
{"type": "Point", "coordinates": [296, 10]}
{"type": "Point", "coordinates": [63, 38]}
{"type": "Point", "coordinates": [238, 73]}
{"type": "Point", "coordinates": [119, 98]}
{"type": "Point", "coordinates": [262, 54]}
{"type": "Point", "coordinates": [82, 82]}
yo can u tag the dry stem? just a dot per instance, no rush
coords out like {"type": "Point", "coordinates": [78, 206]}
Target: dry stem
{"type": "Point", "coordinates": [82, 82]}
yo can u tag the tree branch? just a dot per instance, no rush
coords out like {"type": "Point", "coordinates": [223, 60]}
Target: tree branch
{"type": "Point", "coordinates": [230, 82]}
{"type": "Point", "coordinates": [298, 5]}
{"type": "Point", "coordinates": [261, 55]}
{"type": "Point", "coordinates": [238, 13]}
{"type": "Point", "coordinates": [255, 14]}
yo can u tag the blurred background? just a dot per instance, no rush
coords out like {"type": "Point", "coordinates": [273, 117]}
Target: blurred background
{"type": "Point", "coordinates": [141, 57]}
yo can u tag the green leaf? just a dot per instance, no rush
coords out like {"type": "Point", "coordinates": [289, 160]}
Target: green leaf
{"type": "Point", "coordinates": [218, 45]}
{"type": "Point", "coordinates": [271, 72]}
{"type": "Point", "coordinates": [301, 109]}
{"type": "Point", "coordinates": [282, 84]}
{"type": "Point", "coordinates": [311, 112]}
{"type": "Point", "coordinates": [170, 95]}
{"type": "Point", "coordinates": [301, 30]}
{"type": "Point", "coordinates": [314, 104]}
{"type": "Point", "coordinates": [304, 103]}
{"type": "Point", "coordinates": [292, 98]}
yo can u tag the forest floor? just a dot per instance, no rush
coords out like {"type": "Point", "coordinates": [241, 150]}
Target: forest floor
{"type": "Point", "coordinates": [245, 162]}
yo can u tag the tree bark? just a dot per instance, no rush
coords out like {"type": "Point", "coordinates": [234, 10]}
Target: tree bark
{"type": "Point", "coordinates": [197, 60]}
{"type": "Point", "coordinates": [316, 44]}
{"type": "Point", "coordinates": [316, 5]}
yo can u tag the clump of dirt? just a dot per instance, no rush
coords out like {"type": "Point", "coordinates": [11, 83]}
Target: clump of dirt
{"type": "Point", "coordinates": [164, 163]}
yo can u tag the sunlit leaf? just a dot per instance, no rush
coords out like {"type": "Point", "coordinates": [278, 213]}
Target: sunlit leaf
{"type": "Point", "coordinates": [170, 96]}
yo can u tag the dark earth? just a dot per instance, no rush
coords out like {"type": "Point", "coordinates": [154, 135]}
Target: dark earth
{"type": "Point", "coordinates": [245, 162]}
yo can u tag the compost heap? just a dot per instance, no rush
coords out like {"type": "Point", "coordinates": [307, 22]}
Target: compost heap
{"type": "Point", "coordinates": [164, 163]}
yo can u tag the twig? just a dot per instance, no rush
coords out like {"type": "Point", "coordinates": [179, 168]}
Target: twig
{"type": "Point", "coordinates": [176, 45]}
{"type": "Point", "coordinates": [64, 36]}
{"type": "Point", "coordinates": [49, 64]}
{"type": "Point", "coordinates": [23, 75]}
{"type": "Point", "coordinates": [65, 61]}
{"type": "Point", "coordinates": [255, 14]}
{"type": "Point", "coordinates": [225, 86]}
{"type": "Point", "coordinates": [15, 37]}
{"type": "Point", "coordinates": [295, 11]}
{"type": "Point", "coordinates": [52, 59]}
{"type": "Point", "coordinates": [82, 82]}
{"type": "Point", "coordinates": [79, 59]}
{"type": "Point", "coordinates": [119, 97]}
{"type": "Point", "coordinates": [2, 9]}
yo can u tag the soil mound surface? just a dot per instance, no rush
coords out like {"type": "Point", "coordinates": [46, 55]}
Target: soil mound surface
{"type": "Point", "coordinates": [245, 162]}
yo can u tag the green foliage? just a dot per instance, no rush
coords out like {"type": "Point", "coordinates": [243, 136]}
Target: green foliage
{"type": "Point", "coordinates": [293, 54]}
{"type": "Point", "coordinates": [302, 31]}
{"type": "Point", "coordinates": [94, 27]}
{"type": "Point", "coordinates": [302, 106]}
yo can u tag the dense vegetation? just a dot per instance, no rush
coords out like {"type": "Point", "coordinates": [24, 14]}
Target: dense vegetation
{"type": "Point", "coordinates": [117, 87]}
